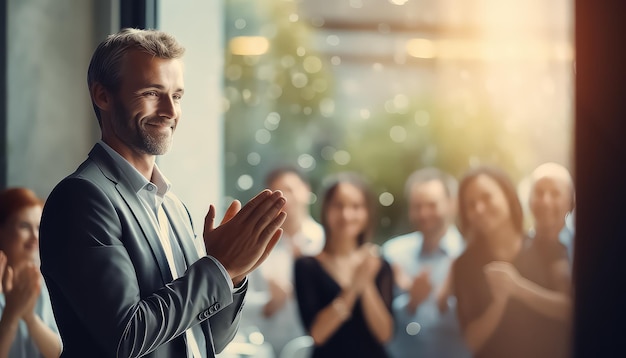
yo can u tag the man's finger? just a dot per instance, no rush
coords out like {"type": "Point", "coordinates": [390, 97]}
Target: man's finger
{"type": "Point", "coordinates": [255, 202]}
{"type": "Point", "coordinates": [270, 246]}
{"type": "Point", "coordinates": [232, 210]}
{"type": "Point", "coordinates": [268, 212]}
{"type": "Point", "coordinates": [209, 220]}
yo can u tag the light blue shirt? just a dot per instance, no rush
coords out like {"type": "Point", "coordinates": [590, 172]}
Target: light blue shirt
{"type": "Point", "coordinates": [23, 346]}
{"type": "Point", "coordinates": [427, 333]}
{"type": "Point", "coordinates": [566, 236]}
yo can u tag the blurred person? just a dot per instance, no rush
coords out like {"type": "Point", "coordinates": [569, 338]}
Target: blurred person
{"type": "Point", "coordinates": [27, 325]}
{"type": "Point", "coordinates": [118, 247]}
{"type": "Point", "coordinates": [551, 203]}
{"type": "Point", "coordinates": [271, 307]}
{"type": "Point", "coordinates": [344, 294]}
{"type": "Point", "coordinates": [421, 261]}
{"type": "Point", "coordinates": [502, 312]}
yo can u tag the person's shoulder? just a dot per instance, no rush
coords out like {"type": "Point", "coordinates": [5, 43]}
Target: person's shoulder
{"type": "Point", "coordinates": [399, 245]}
{"type": "Point", "coordinates": [312, 229]}
{"type": "Point", "coordinates": [453, 242]}
{"type": "Point", "coordinates": [306, 260]}
{"type": "Point", "coordinates": [465, 260]}
{"type": "Point", "coordinates": [304, 264]}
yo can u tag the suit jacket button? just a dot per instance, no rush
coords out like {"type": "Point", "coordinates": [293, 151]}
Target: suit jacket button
{"type": "Point", "coordinates": [203, 315]}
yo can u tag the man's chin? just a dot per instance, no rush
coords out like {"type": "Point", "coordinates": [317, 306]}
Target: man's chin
{"type": "Point", "coordinates": [157, 146]}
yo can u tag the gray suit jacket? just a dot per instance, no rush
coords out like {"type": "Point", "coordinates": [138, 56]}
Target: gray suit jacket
{"type": "Point", "coordinates": [110, 285]}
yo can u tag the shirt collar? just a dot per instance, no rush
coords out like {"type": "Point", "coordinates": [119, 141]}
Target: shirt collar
{"type": "Point", "coordinates": [136, 179]}
{"type": "Point", "coordinates": [451, 244]}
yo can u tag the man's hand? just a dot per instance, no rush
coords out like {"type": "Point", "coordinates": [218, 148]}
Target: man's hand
{"type": "Point", "coordinates": [420, 290]}
{"type": "Point", "coordinates": [279, 294]}
{"type": "Point", "coordinates": [247, 236]}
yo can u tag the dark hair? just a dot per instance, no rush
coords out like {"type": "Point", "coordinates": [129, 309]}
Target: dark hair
{"type": "Point", "coordinates": [505, 184]}
{"type": "Point", "coordinates": [425, 175]}
{"type": "Point", "coordinates": [278, 172]}
{"type": "Point", "coordinates": [13, 200]}
{"type": "Point", "coordinates": [106, 62]}
{"type": "Point", "coordinates": [330, 185]}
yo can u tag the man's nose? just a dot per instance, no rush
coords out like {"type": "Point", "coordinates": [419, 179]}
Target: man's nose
{"type": "Point", "coordinates": [167, 107]}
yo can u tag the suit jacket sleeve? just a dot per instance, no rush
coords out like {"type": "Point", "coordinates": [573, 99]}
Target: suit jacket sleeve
{"type": "Point", "coordinates": [101, 273]}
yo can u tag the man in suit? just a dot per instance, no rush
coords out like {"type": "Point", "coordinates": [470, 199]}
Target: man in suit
{"type": "Point", "coordinates": [117, 247]}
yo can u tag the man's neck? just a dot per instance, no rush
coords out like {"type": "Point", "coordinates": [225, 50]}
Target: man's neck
{"type": "Point", "coordinates": [144, 163]}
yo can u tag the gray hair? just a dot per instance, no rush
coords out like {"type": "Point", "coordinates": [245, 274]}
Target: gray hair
{"type": "Point", "coordinates": [425, 175]}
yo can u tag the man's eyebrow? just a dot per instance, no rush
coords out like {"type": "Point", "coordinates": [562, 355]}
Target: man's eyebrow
{"type": "Point", "coordinates": [161, 87]}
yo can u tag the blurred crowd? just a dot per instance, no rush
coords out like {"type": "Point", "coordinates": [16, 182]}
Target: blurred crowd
{"type": "Point", "coordinates": [469, 280]}
{"type": "Point", "coordinates": [484, 272]}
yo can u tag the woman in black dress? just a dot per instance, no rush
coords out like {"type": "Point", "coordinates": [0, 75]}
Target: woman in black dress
{"type": "Point", "coordinates": [503, 313]}
{"type": "Point", "coordinates": [344, 294]}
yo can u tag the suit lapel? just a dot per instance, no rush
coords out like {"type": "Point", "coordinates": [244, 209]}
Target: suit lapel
{"type": "Point", "coordinates": [106, 164]}
{"type": "Point", "coordinates": [178, 218]}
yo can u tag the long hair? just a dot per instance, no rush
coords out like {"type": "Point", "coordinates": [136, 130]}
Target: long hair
{"type": "Point", "coordinates": [329, 189]}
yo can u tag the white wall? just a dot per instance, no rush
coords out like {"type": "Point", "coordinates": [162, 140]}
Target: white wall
{"type": "Point", "coordinates": [50, 121]}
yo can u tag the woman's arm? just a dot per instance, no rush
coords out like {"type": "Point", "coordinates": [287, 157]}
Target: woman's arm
{"type": "Point", "coordinates": [479, 330]}
{"type": "Point", "coordinates": [46, 340]}
{"type": "Point", "coordinates": [20, 290]}
{"type": "Point", "coordinates": [556, 304]}
{"type": "Point", "coordinates": [331, 317]}
{"type": "Point", "coordinates": [320, 320]}
{"type": "Point", "coordinates": [375, 309]}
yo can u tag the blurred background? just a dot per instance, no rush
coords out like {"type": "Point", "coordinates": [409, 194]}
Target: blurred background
{"type": "Point", "coordinates": [381, 87]}
{"type": "Point", "coordinates": [384, 87]}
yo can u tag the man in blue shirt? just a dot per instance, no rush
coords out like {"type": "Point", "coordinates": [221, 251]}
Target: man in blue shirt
{"type": "Point", "coordinates": [421, 260]}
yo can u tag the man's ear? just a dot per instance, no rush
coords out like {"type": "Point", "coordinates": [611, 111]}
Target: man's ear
{"type": "Point", "coordinates": [101, 97]}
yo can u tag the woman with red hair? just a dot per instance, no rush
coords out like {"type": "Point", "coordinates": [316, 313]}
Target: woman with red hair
{"type": "Point", "coordinates": [27, 325]}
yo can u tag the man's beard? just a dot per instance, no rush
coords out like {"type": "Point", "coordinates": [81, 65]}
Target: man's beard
{"type": "Point", "coordinates": [136, 136]}
{"type": "Point", "coordinates": [154, 145]}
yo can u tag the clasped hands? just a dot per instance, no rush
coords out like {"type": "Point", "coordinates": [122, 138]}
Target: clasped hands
{"type": "Point", "coordinates": [366, 271]}
{"type": "Point", "coordinates": [247, 234]}
{"type": "Point", "coordinates": [20, 287]}
{"type": "Point", "coordinates": [502, 279]}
